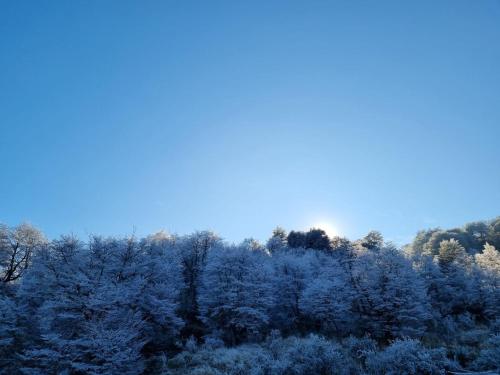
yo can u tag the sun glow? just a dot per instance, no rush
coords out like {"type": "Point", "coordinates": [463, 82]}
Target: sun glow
{"type": "Point", "coordinates": [330, 229]}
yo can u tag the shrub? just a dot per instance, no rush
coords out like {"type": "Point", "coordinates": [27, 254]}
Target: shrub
{"type": "Point", "coordinates": [407, 356]}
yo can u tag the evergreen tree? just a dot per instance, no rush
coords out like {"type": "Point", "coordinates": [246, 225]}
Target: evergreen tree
{"type": "Point", "coordinates": [278, 240]}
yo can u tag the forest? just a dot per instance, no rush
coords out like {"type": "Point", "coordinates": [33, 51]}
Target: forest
{"type": "Point", "coordinates": [301, 303]}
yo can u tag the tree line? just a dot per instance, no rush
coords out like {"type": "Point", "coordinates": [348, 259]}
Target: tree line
{"type": "Point", "coordinates": [301, 303]}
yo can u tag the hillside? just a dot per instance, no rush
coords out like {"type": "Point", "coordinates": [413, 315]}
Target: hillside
{"type": "Point", "coordinates": [302, 303]}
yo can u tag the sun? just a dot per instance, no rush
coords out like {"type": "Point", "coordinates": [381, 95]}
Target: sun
{"type": "Point", "coordinates": [327, 226]}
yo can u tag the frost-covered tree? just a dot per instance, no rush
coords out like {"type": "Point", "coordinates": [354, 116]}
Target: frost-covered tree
{"type": "Point", "coordinates": [326, 302]}
{"type": "Point", "coordinates": [458, 235]}
{"type": "Point", "coordinates": [372, 241]}
{"type": "Point", "coordinates": [494, 233]}
{"type": "Point", "coordinates": [472, 237]}
{"type": "Point", "coordinates": [451, 251]}
{"type": "Point", "coordinates": [312, 354]}
{"type": "Point", "coordinates": [418, 245]}
{"type": "Point", "coordinates": [17, 247]}
{"type": "Point", "coordinates": [278, 240]}
{"type": "Point", "coordinates": [160, 294]}
{"type": "Point", "coordinates": [101, 306]}
{"type": "Point", "coordinates": [60, 312]}
{"type": "Point", "coordinates": [456, 289]}
{"type": "Point", "coordinates": [489, 260]}
{"type": "Point", "coordinates": [489, 355]}
{"type": "Point", "coordinates": [488, 263]}
{"type": "Point", "coordinates": [292, 272]}
{"type": "Point", "coordinates": [408, 356]}
{"type": "Point", "coordinates": [251, 244]}
{"type": "Point", "coordinates": [193, 251]}
{"type": "Point", "coordinates": [236, 295]}
{"type": "Point", "coordinates": [391, 298]}
{"type": "Point", "coordinates": [9, 335]}
{"type": "Point", "coordinates": [127, 305]}
{"type": "Point", "coordinates": [478, 233]}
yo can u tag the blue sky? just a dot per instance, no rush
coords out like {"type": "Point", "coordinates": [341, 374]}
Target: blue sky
{"type": "Point", "coordinates": [240, 116]}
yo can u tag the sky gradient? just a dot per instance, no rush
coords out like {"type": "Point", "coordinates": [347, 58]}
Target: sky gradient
{"type": "Point", "coordinates": [239, 116]}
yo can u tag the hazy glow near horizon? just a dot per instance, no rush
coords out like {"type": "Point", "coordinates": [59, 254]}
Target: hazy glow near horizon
{"type": "Point", "coordinates": [330, 228]}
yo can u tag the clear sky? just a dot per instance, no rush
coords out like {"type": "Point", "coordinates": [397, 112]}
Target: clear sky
{"type": "Point", "coordinates": [238, 116]}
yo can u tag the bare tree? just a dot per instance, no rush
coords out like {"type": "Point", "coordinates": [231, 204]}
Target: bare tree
{"type": "Point", "coordinates": [17, 246]}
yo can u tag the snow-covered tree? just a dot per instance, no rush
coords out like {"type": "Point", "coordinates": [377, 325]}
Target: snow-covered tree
{"type": "Point", "coordinates": [451, 251]}
{"type": "Point", "coordinates": [193, 251]}
{"type": "Point", "coordinates": [104, 305]}
{"type": "Point", "coordinates": [291, 274]}
{"type": "Point", "coordinates": [160, 294]}
{"type": "Point", "coordinates": [236, 295]}
{"type": "Point", "coordinates": [9, 333]}
{"type": "Point", "coordinates": [489, 260]}
{"type": "Point", "coordinates": [489, 355]}
{"type": "Point", "coordinates": [327, 300]}
{"type": "Point", "coordinates": [60, 312]}
{"type": "Point", "coordinates": [392, 299]}
{"type": "Point", "coordinates": [127, 305]}
{"type": "Point", "coordinates": [488, 263]}
{"type": "Point", "coordinates": [408, 356]}
{"type": "Point", "coordinates": [17, 247]}
{"type": "Point", "coordinates": [372, 241]}
{"type": "Point", "coordinates": [277, 241]}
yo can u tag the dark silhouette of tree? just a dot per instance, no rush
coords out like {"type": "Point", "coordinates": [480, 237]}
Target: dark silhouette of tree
{"type": "Point", "coordinates": [296, 239]}
{"type": "Point", "coordinates": [317, 239]}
